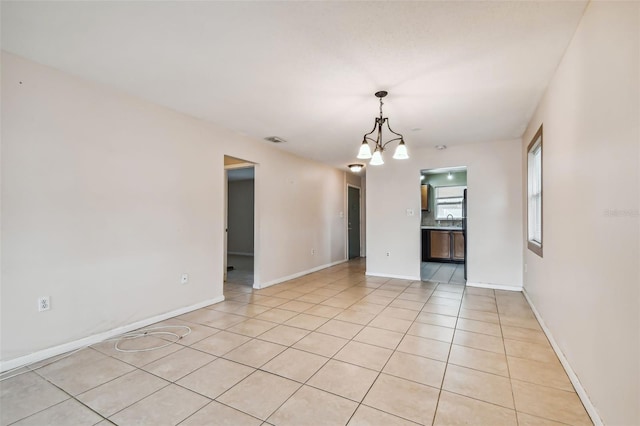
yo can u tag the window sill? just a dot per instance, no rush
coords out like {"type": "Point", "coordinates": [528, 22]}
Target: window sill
{"type": "Point", "coordinates": [535, 247]}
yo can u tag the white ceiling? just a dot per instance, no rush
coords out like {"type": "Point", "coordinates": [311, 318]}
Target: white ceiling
{"type": "Point", "coordinates": [456, 72]}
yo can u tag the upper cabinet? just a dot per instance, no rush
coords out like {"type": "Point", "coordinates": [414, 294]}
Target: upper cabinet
{"type": "Point", "coordinates": [424, 196]}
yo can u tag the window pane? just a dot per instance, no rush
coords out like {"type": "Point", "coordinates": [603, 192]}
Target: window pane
{"type": "Point", "coordinates": [534, 196]}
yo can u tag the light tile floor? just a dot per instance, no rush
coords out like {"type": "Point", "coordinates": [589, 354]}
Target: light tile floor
{"type": "Point", "coordinates": [330, 348]}
{"type": "Point", "coordinates": [452, 273]}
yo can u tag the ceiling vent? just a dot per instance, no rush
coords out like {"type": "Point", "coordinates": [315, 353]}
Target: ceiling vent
{"type": "Point", "coordinates": [274, 139]}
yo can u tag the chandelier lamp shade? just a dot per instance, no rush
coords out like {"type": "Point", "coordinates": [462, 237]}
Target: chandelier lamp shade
{"type": "Point", "coordinates": [378, 144]}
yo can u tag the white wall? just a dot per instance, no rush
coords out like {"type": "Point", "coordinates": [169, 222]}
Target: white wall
{"type": "Point", "coordinates": [586, 287]}
{"type": "Point", "coordinates": [107, 199]}
{"type": "Point", "coordinates": [494, 176]}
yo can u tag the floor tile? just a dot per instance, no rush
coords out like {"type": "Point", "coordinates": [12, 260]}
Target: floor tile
{"type": "Point", "coordinates": [367, 416]}
{"type": "Point", "coordinates": [321, 344]}
{"type": "Point", "coordinates": [549, 403]}
{"type": "Point", "coordinates": [529, 420]}
{"type": "Point", "coordinates": [362, 318]}
{"type": "Point", "coordinates": [391, 324]}
{"type": "Point", "coordinates": [113, 396]}
{"type": "Point", "coordinates": [69, 412]}
{"type": "Point", "coordinates": [456, 409]}
{"type": "Point", "coordinates": [532, 351]}
{"type": "Point", "coordinates": [252, 327]}
{"type": "Point", "coordinates": [347, 380]}
{"type": "Point", "coordinates": [284, 335]}
{"type": "Point", "coordinates": [215, 378]}
{"type": "Point", "coordinates": [26, 394]}
{"type": "Point", "coordinates": [223, 415]}
{"type": "Point", "coordinates": [221, 343]}
{"type": "Point", "coordinates": [168, 406]}
{"type": "Point", "coordinates": [435, 319]}
{"type": "Point", "coordinates": [541, 373]}
{"type": "Point", "coordinates": [440, 309]}
{"type": "Point", "coordinates": [399, 313]}
{"type": "Point", "coordinates": [489, 362]}
{"type": "Point", "coordinates": [346, 330]}
{"type": "Point", "coordinates": [430, 331]}
{"type": "Point", "coordinates": [296, 306]}
{"type": "Point", "coordinates": [379, 337]}
{"type": "Point", "coordinates": [407, 304]}
{"type": "Point", "coordinates": [178, 364]}
{"type": "Point", "coordinates": [255, 353]}
{"type": "Point", "coordinates": [416, 368]}
{"type": "Point", "coordinates": [309, 406]}
{"type": "Point", "coordinates": [478, 385]}
{"type": "Point", "coordinates": [524, 335]}
{"type": "Point", "coordinates": [276, 315]}
{"type": "Point", "coordinates": [260, 394]}
{"type": "Point", "coordinates": [403, 398]}
{"type": "Point", "coordinates": [480, 316]}
{"type": "Point", "coordinates": [364, 355]}
{"type": "Point", "coordinates": [479, 341]}
{"type": "Point", "coordinates": [306, 321]}
{"type": "Point", "coordinates": [429, 348]}
{"type": "Point", "coordinates": [295, 364]}
{"type": "Point", "coordinates": [227, 320]}
{"type": "Point", "coordinates": [323, 311]}
{"type": "Point", "coordinates": [84, 370]}
{"type": "Point", "coordinates": [479, 327]}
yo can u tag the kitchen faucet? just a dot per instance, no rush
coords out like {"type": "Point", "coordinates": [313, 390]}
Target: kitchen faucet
{"type": "Point", "coordinates": [449, 215]}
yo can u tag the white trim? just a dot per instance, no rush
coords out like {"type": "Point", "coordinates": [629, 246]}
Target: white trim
{"type": "Point", "coordinates": [240, 253]}
{"type": "Point", "coordinates": [97, 338]}
{"type": "Point", "coordinates": [494, 286]}
{"type": "Point", "coordinates": [400, 277]}
{"type": "Point", "coordinates": [297, 274]}
{"type": "Point", "coordinates": [582, 393]}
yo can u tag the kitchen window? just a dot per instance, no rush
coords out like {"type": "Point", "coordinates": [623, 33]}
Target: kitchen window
{"type": "Point", "coordinates": [534, 193]}
{"type": "Point", "coordinates": [449, 202]}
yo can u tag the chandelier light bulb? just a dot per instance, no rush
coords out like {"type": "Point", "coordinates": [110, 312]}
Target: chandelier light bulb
{"type": "Point", "coordinates": [376, 159]}
{"type": "Point", "coordinates": [401, 152]}
{"type": "Point", "coordinates": [365, 151]}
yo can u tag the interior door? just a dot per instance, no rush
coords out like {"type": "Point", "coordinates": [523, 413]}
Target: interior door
{"type": "Point", "coordinates": [353, 221]}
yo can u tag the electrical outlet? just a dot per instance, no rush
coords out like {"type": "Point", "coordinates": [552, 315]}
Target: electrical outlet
{"type": "Point", "coordinates": [388, 254]}
{"type": "Point", "coordinates": [184, 278]}
{"type": "Point", "coordinates": [313, 252]}
{"type": "Point", "coordinates": [44, 303]}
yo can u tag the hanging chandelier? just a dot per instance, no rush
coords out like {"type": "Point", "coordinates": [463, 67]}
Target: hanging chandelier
{"type": "Point", "coordinates": [379, 146]}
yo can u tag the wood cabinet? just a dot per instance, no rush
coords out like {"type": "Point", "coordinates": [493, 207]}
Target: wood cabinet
{"type": "Point", "coordinates": [445, 245]}
{"type": "Point", "coordinates": [458, 245]}
{"type": "Point", "coordinates": [424, 197]}
{"type": "Point", "coordinates": [440, 245]}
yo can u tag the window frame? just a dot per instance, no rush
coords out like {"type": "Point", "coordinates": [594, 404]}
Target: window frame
{"type": "Point", "coordinates": [535, 145]}
{"type": "Point", "coordinates": [435, 201]}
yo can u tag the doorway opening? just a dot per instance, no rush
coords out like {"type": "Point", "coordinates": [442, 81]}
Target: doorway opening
{"type": "Point", "coordinates": [239, 252]}
{"type": "Point", "coordinates": [353, 221]}
{"type": "Point", "coordinates": [443, 225]}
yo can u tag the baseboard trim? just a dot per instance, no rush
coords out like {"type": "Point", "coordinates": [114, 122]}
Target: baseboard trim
{"type": "Point", "coordinates": [399, 277]}
{"type": "Point", "coordinates": [297, 275]}
{"type": "Point", "coordinates": [97, 338]}
{"type": "Point", "coordinates": [494, 286]}
{"type": "Point", "coordinates": [582, 393]}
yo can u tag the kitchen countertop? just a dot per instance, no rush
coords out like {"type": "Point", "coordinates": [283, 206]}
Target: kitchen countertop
{"type": "Point", "coordinates": [443, 228]}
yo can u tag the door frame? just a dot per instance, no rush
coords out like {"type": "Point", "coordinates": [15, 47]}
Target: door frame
{"type": "Point", "coordinates": [359, 219]}
{"type": "Point", "coordinates": [225, 224]}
